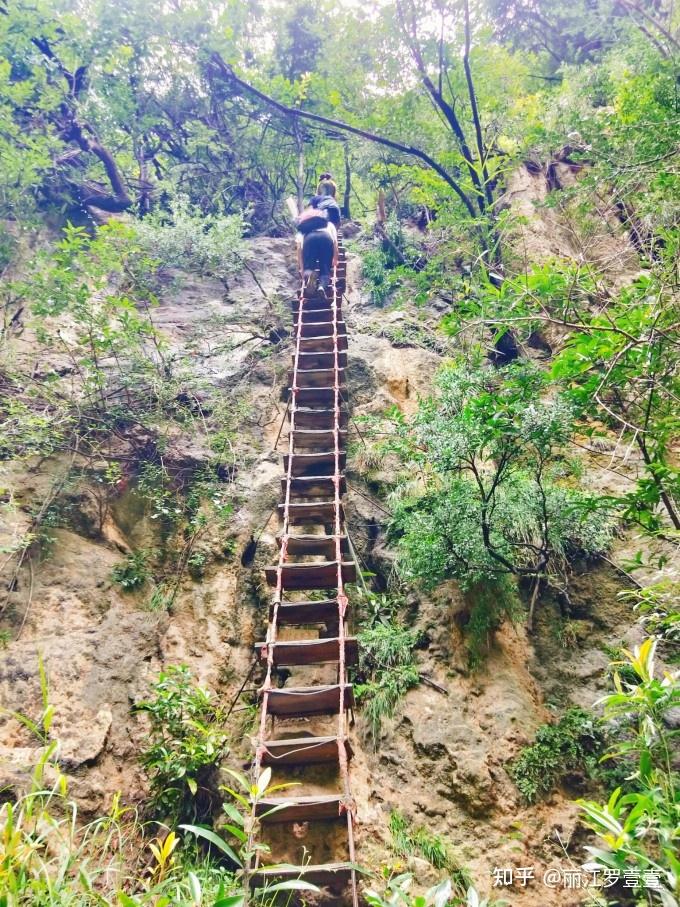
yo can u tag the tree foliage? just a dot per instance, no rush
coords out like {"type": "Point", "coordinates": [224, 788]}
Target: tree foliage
{"type": "Point", "coordinates": [493, 496]}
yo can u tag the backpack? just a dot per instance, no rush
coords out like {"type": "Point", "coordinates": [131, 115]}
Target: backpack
{"type": "Point", "coordinates": [312, 219]}
{"type": "Point", "coordinates": [331, 208]}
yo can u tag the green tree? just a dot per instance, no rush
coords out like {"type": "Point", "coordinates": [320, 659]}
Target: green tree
{"type": "Point", "coordinates": [491, 499]}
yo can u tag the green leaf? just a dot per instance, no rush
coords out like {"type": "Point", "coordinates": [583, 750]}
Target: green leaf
{"type": "Point", "coordinates": [233, 813]}
{"type": "Point", "coordinates": [214, 839]}
{"type": "Point", "coordinates": [195, 888]}
{"type": "Point", "coordinates": [263, 781]}
{"type": "Point", "coordinates": [237, 832]}
{"type": "Point", "coordinates": [292, 885]}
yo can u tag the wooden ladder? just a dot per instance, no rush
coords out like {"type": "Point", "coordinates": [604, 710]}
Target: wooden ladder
{"type": "Point", "coordinates": [314, 557]}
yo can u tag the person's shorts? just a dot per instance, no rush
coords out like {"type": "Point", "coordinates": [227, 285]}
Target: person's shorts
{"type": "Point", "coordinates": [317, 251]}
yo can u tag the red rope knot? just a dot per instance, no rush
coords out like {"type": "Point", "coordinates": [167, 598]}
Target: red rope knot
{"type": "Point", "coordinates": [260, 752]}
{"type": "Point", "coordinates": [347, 805]}
{"type": "Point", "coordinates": [342, 603]}
{"type": "Point", "coordinates": [264, 652]}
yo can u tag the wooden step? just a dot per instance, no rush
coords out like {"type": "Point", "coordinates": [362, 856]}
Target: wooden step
{"type": "Point", "coordinates": [310, 651]}
{"type": "Point", "coordinates": [300, 809]}
{"type": "Point", "coordinates": [320, 360]}
{"type": "Point", "coordinates": [311, 512]}
{"type": "Point", "coordinates": [307, 418]}
{"type": "Point", "coordinates": [302, 701]}
{"type": "Point", "coordinates": [303, 750]}
{"type": "Point", "coordinates": [319, 396]}
{"type": "Point", "coordinates": [305, 316]}
{"type": "Point", "coordinates": [315, 544]}
{"type": "Point", "coordinates": [306, 613]}
{"type": "Point", "coordinates": [316, 440]}
{"type": "Point", "coordinates": [320, 329]}
{"type": "Point", "coordinates": [320, 575]}
{"type": "Point", "coordinates": [323, 344]}
{"type": "Point", "coordinates": [314, 464]}
{"type": "Point", "coordinates": [318, 377]}
{"type": "Point", "coordinates": [311, 294]}
{"type": "Point", "coordinates": [310, 305]}
{"type": "Point", "coordinates": [334, 876]}
{"type": "Point", "coordinates": [313, 486]}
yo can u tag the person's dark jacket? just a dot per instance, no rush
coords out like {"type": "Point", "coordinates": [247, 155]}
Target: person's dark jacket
{"type": "Point", "coordinates": [328, 204]}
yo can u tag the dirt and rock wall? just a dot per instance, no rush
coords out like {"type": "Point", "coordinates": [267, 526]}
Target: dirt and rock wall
{"type": "Point", "coordinates": [442, 759]}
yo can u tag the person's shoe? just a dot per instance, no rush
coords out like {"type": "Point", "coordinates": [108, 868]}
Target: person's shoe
{"type": "Point", "coordinates": [310, 285]}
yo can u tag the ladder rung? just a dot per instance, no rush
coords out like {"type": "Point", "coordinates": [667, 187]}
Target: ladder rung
{"type": "Point", "coordinates": [300, 614]}
{"type": "Point", "coordinates": [325, 875]}
{"type": "Point", "coordinates": [314, 440]}
{"type": "Point", "coordinates": [303, 750]}
{"type": "Point", "coordinates": [322, 575]}
{"type": "Point", "coordinates": [320, 328]}
{"type": "Point", "coordinates": [311, 512]}
{"type": "Point", "coordinates": [318, 377]}
{"type": "Point", "coordinates": [315, 360]}
{"type": "Point", "coordinates": [299, 701]}
{"type": "Point", "coordinates": [309, 305]}
{"type": "Point", "coordinates": [313, 486]}
{"type": "Point", "coordinates": [311, 315]}
{"type": "Point", "coordinates": [319, 419]}
{"type": "Point", "coordinates": [300, 809]}
{"type": "Point", "coordinates": [311, 651]}
{"type": "Point", "coordinates": [315, 544]}
{"type": "Point", "coordinates": [314, 464]}
{"type": "Point", "coordinates": [319, 396]}
{"type": "Point", "coordinates": [323, 344]}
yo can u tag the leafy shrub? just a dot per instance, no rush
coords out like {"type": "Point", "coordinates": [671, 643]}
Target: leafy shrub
{"type": "Point", "coordinates": [246, 849]}
{"type": "Point", "coordinates": [187, 744]}
{"type": "Point", "coordinates": [397, 891]}
{"type": "Point", "coordinates": [659, 609]}
{"type": "Point", "coordinates": [155, 486]}
{"type": "Point", "coordinates": [196, 564]}
{"type": "Point", "coordinates": [133, 572]}
{"type": "Point", "coordinates": [387, 660]}
{"type": "Point", "coordinates": [639, 825]}
{"type": "Point", "coordinates": [50, 855]}
{"type": "Point", "coordinates": [8, 245]}
{"type": "Point", "coordinates": [573, 744]}
{"type": "Point", "coordinates": [492, 499]}
{"type": "Point", "coordinates": [381, 280]}
{"type": "Point", "coordinates": [189, 239]}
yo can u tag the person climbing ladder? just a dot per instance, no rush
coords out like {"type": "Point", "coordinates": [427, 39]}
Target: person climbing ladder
{"type": "Point", "coordinates": [317, 238]}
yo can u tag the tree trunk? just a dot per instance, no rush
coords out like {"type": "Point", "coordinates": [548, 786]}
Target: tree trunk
{"type": "Point", "coordinates": [348, 184]}
{"type": "Point", "coordinates": [301, 167]}
{"type": "Point", "coordinates": [121, 199]}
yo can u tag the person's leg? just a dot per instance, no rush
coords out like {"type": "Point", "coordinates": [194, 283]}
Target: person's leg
{"type": "Point", "coordinates": [324, 275]}
{"type": "Point", "coordinates": [317, 255]}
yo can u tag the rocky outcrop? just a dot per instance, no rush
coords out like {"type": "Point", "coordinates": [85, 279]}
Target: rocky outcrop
{"type": "Point", "coordinates": [442, 760]}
